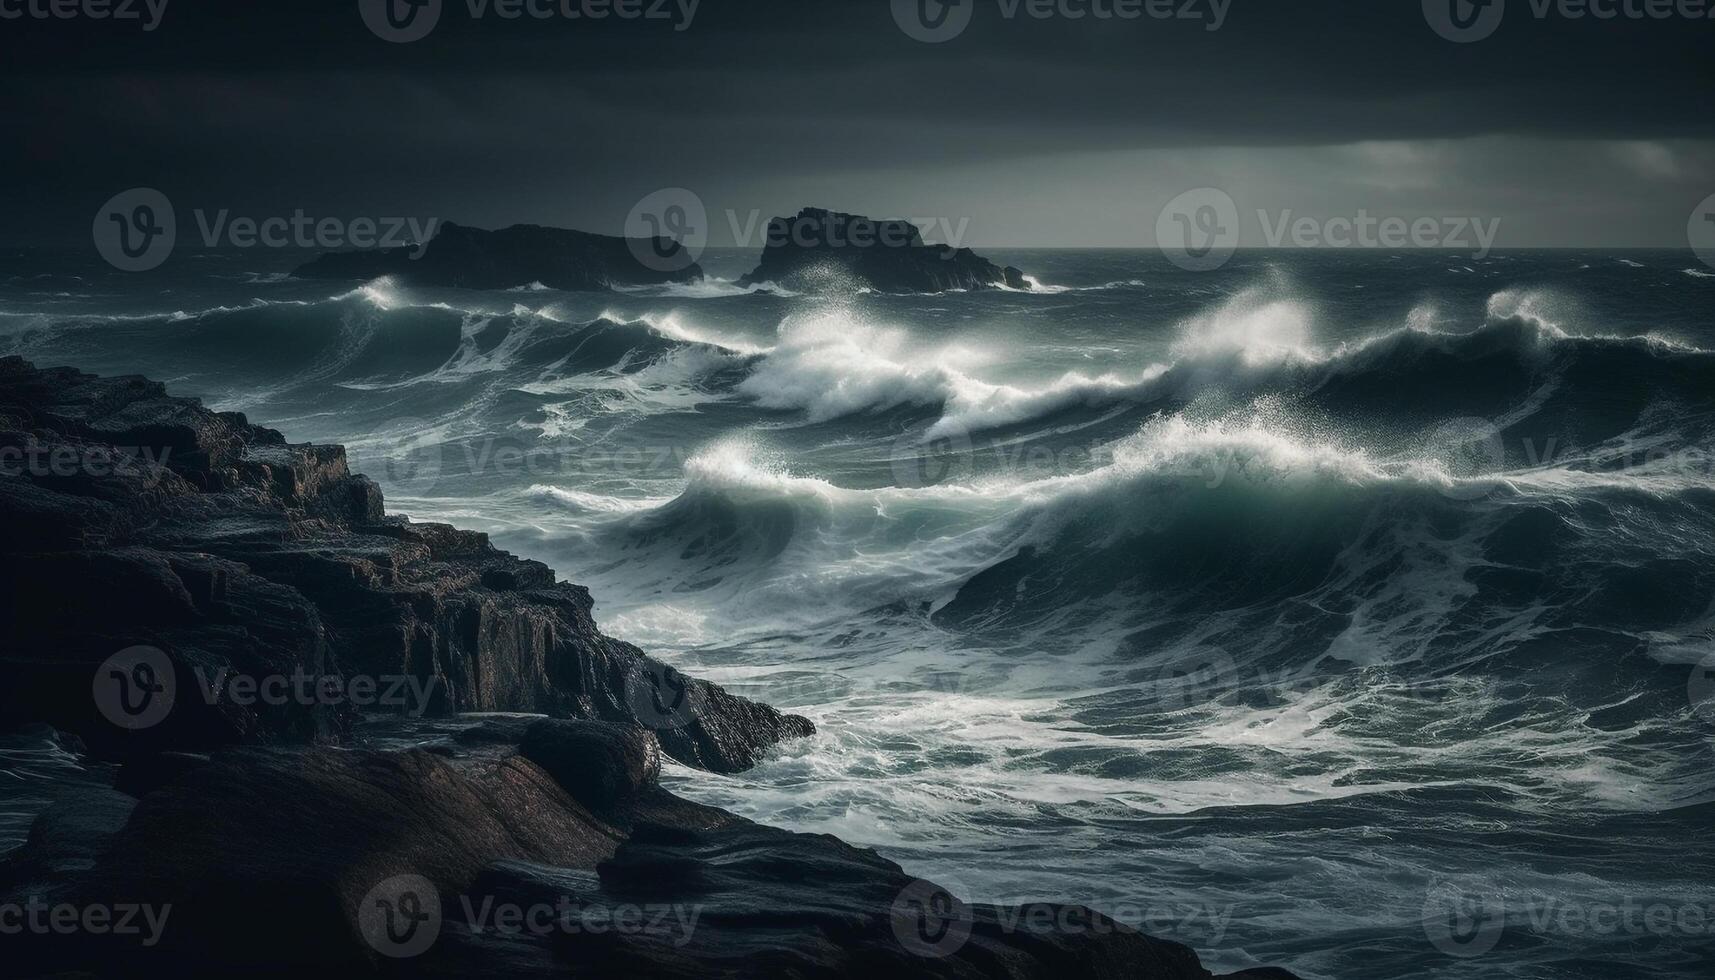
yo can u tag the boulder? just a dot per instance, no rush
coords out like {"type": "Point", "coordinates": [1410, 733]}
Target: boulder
{"type": "Point", "coordinates": [599, 763]}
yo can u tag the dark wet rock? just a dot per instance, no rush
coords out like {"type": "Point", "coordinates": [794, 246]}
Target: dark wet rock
{"type": "Point", "coordinates": [495, 729]}
{"type": "Point", "coordinates": [817, 250]}
{"type": "Point", "coordinates": [147, 773]}
{"type": "Point", "coordinates": [808, 905]}
{"type": "Point", "coordinates": [262, 838]}
{"type": "Point", "coordinates": [527, 879]}
{"type": "Point", "coordinates": [244, 559]}
{"type": "Point", "coordinates": [472, 258]}
{"type": "Point", "coordinates": [599, 763]}
{"type": "Point", "coordinates": [745, 900]}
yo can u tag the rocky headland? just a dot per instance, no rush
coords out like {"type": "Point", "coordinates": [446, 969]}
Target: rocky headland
{"type": "Point", "coordinates": [319, 738]}
{"type": "Point", "coordinates": [817, 247]}
{"type": "Point", "coordinates": [816, 250]}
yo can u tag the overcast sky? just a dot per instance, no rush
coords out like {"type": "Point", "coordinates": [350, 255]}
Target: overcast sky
{"type": "Point", "coordinates": [1035, 130]}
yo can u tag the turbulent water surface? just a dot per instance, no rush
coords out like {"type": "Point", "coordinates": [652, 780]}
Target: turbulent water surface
{"type": "Point", "coordinates": [1283, 610]}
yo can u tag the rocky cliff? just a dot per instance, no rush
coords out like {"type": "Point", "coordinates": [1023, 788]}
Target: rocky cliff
{"type": "Point", "coordinates": [145, 521]}
{"type": "Point", "coordinates": [221, 615]}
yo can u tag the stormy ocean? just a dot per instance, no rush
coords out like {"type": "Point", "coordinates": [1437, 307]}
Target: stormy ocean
{"type": "Point", "coordinates": [1347, 611]}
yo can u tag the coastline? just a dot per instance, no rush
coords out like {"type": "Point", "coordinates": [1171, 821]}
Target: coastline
{"type": "Point", "coordinates": [166, 545]}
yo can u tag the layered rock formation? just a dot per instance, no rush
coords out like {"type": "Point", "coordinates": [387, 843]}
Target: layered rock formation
{"type": "Point", "coordinates": [818, 248]}
{"type": "Point", "coordinates": [143, 520]}
{"type": "Point", "coordinates": [280, 836]}
{"type": "Point", "coordinates": [559, 258]}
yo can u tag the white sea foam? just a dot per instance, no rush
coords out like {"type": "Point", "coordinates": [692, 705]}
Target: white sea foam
{"type": "Point", "coordinates": [383, 293]}
{"type": "Point", "coordinates": [709, 287]}
{"type": "Point", "coordinates": [594, 502]}
{"type": "Point", "coordinates": [833, 362]}
{"type": "Point", "coordinates": [1259, 324]}
{"type": "Point", "coordinates": [676, 326]}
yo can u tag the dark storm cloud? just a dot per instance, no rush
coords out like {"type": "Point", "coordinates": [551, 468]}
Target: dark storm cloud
{"type": "Point", "coordinates": [271, 106]}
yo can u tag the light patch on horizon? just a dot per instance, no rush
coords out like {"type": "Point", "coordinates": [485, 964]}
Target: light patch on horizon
{"type": "Point", "coordinates": [1544, 193]}
{"type": "Point", "coordinates": [1648, 159]}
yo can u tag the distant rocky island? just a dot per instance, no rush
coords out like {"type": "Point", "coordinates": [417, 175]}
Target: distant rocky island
{"type": "Point", "coordinates": [808, 249]}
{"type": "Point", "coordinates": [814, 251]}
{"type": "Point", "coordinates": [166, 563]}
{"type": "Point", "coordinates": [558, 258]}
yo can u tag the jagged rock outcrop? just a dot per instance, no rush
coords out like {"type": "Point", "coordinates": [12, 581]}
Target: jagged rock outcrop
{"type": "Point", "coordinates": [141, 520]}
{"type": "Point", "coordinates": [818, 249]}
{"type": "Point", "coordinates": [474, 258]}
{"type": "Point", "coordinates": [285, 838]}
